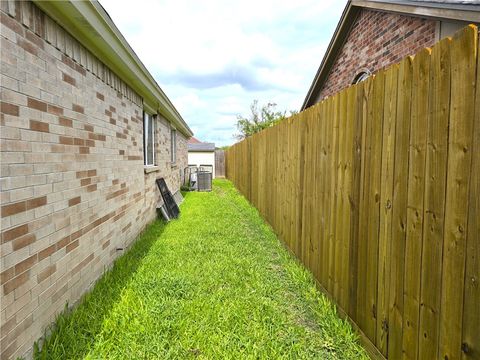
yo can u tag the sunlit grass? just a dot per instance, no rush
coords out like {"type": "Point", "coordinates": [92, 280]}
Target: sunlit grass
{"type": "Point", "coordinates": [215, 284]}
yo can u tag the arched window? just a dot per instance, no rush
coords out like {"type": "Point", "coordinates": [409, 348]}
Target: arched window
{"type": "Point", "coordinates": [361, 76]}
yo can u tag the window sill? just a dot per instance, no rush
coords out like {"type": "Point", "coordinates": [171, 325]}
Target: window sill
{"type": "Point", "coordinates": [149, 168]}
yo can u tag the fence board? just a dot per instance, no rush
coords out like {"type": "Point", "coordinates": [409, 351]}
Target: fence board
{"type": "Point", "coordinates": [416, 186]}
{"type": "Point", "coordinates": [377, 191]}
{"type": "Point", "coordinates": [326, 211]}
{"type": "Point", "coordinates": [362, 307]}
{"type": "Point", "coordinates": [299, 174]}
{"type": "Point", "coordinates": [399, 209]}
{"type": "Point", "coordinates": [372, 211]}
{"type": "Point", "coordinates": [355, 200]}
{"type": "Point", "coordinates": [306, 221]}
{"type": "Point", "coordinates": [434, 205]}
{"type": "Point", "coordinates": [463, 62]}
{"type": "Point", "coordinates": [317, 188]}
{"type": "Point", "coordinates": [384, 254]}
{"type": "Point", "coordinates": [471, 335]}
{"type": "Point", "coordinates": [333, 166]}
{"type": "Point", "coordinates": [321, 179]}
{"type": "Point", "coordinates": [339, 201]}
{"type": "Point", "coordinates": [310, 221]}
{"type": "Point", "coordinates": [347, 195]}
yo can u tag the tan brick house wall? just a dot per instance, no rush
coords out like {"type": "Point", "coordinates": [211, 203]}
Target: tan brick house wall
{"type": "Point", "coordinates": [376, 40]}
{"type": "Point", "coordinates": [73, 187]}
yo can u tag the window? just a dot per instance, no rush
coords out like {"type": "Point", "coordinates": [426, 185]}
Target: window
{"type": "Point", "coordinates": [361, 76]}
{"type": "Point", "coordinates": [149, 139]}
{"type": "Point", "coordinates": [173, 150]}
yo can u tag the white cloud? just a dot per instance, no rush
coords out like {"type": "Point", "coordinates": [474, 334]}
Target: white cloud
{"type": "Point", "coordinates": [214, 57]}
{"type": "Point", "coordinates": [188, 102]}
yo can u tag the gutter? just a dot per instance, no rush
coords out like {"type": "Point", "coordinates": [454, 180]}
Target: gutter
{"type": "Point", "coordinates": [89, 23]}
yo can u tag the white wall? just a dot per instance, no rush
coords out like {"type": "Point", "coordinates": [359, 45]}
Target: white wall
{"type": "Point", "coordinates": [202, 158]}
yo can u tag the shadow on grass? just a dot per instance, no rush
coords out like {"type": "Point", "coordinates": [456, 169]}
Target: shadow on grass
{"type": "Point", "coordinates": [73, 334]}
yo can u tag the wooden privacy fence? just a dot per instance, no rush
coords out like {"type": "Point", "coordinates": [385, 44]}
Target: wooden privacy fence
{"type": "Point", "coordinates": [377, 191]}
{"type": "Point", "coordinates": [219, 163]}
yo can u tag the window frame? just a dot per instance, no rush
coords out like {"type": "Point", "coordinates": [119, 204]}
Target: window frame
{"type": "Point", "coordinates": [148, 122]}
{"type": "Point", "coordinates": [362, 75]}
{"type": "Point", "coordinates": [173, 146]}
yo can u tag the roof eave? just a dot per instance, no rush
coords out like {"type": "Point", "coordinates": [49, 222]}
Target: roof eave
{"type": "Point", "coordinates": [336, 42]}
{"type": "Point", "coordinates": [431, 10]}
{"type": "Point", "coordinates": [91, 25]}
{"type": "Point", "coordinates": [201, 147]}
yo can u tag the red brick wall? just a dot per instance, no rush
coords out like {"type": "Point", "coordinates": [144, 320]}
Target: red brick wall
{"type": "Point", "coordinates": [73, 187]}
{"type": "Point", "coordinates": [377, 39]}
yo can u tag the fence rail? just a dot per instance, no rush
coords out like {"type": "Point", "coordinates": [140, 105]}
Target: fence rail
{"type": "Point", "coordinates": [377, 191]}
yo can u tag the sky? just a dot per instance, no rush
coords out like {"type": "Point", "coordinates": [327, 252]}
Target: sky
{"type": "Point", "coordinates": [213, 58]}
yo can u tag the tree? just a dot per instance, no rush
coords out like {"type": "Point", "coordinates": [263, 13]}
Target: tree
{"type": "Point", "coordinates": [258, 120]}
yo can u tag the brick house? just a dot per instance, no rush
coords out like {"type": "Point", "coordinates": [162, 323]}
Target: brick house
{"type": "Point", "coordinates": [85, 131]}
{"type": "Point", "coordinates": [373, 34]}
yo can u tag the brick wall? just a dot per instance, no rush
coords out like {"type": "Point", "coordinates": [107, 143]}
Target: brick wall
{"type": "Point", "coordinates": [377, 40]}
{"type": "Point", "coordinates": [73, 187]}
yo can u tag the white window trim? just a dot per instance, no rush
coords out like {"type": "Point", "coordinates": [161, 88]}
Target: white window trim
{"type": "Point", "coordinates": [362, 75]}
{"type": "Point", "coordinates": [173, 146]}
{"type": "Point", "coordinates": [146, 125]}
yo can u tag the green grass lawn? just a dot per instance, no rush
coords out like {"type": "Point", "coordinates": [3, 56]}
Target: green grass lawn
{"type": "Point", "coordinates": [214, 284]}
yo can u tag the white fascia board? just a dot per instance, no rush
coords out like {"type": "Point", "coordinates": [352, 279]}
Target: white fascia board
{"type": "Point", "coordinates": [434, 10]}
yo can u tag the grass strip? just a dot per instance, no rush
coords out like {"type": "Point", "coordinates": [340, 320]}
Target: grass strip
{"type": "Point", "coordinates": [214, 284]}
